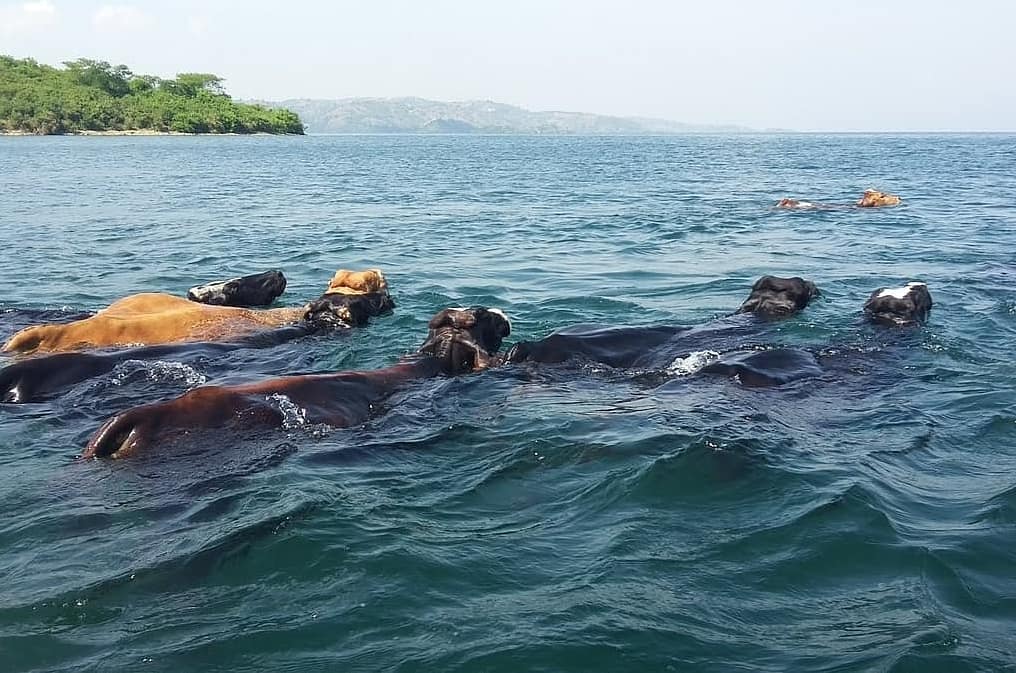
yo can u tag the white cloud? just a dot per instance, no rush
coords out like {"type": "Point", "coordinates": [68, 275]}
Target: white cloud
{"type": "Point", "coordinates": [27, 16]}
{"type": "Point", "coordinates": [120, 18]}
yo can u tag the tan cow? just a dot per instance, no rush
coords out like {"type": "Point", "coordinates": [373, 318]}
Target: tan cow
{"type": "Point", "coordinates": [872, 198]}
{"type": "Point", "coordinates": [154, 318]}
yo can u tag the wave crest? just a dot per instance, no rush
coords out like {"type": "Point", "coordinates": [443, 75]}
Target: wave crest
{"type": "Point", "coordinates": [692, 363]}
{"type": "Point", "coordinates": [157, 371]}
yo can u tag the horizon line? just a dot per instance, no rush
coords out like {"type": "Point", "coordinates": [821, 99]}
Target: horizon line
{"type": "Point", "coordinates": [747, 128]}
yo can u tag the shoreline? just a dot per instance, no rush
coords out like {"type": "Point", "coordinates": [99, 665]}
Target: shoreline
{"type": "Point", "coordinates": [149, 132]}
{"type": "Point", "coordinates": [134, 132]}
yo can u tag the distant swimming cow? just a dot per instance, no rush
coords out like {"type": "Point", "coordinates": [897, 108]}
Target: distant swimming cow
{"type": "Point", "coordinates": [871, 198]}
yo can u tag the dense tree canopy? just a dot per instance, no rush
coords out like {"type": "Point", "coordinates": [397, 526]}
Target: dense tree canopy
{"type": "Point", "coordinates": [89, 95]}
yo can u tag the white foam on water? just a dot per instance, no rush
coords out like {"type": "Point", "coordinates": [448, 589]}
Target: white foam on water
{"type": "Point", "coordinates": [692, 363]}
{"type": "Point", "coordinates": [900, 292]}
{"type": "Point", "coordinates": [157, 370]}
{"type": "Point", "coordinates": [293, 415]}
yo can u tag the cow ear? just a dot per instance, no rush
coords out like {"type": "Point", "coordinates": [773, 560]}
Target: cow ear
{"type": "Point", "coordinates": [440, 320]}
{"type": "Point", "coordinates": [451, 317]}
{"type": "Point", "coordinates": [495, 318]}
{"type": "Point", "coordinates": [374, 281]}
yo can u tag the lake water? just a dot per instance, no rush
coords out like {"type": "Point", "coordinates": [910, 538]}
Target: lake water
{"type": "Point", "coordinates": [537, 518]}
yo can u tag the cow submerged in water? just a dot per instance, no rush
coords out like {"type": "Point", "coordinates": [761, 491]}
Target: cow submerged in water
{"type": "Point", "coordinates": [161, 325]}
{"type": "Point", "coordinates": [462, 341]}
{"type": "Point", "coordinates": [719, 347]}
{"type": "Point", "coordinates": [153, 318]}
{"type": "Point", "coordinates": [459, 341]}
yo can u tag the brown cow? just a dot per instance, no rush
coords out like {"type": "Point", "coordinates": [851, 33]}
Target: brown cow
{"type": "Point", "coordinates": [154, 318]}
{"type": "Point", "coordinates": [459, 341]}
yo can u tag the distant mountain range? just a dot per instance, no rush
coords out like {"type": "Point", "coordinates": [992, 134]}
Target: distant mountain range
{"type": "Point", "coordinates": [419, 115]}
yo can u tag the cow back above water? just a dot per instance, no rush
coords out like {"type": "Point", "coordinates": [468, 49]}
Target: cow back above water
{"type": "Point", "coordinates": [156, 318]}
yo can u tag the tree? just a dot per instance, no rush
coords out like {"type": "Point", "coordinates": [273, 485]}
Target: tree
{"type": "Point", "coordinates": [143, 83]}
{"type": "Point", "coordinates": [94, 95]}
{"type": "Point", "coordinates": [189, 84]}
{"type": "Point", "coordinates": [100, 74]}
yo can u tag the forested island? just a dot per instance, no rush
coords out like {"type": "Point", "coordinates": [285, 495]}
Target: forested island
{"type": "Point", "coordinates": [87, 95]}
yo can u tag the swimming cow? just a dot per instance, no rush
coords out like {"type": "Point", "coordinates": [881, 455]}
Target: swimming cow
{"type": "Point", "coordinates": [459, 340]}
{"type": "Point", "coordinates": [727, 346]}
{"type": "Point", "coordinates": [350, 300]}
{"type": "Point", "coordinates": [155, 318]}
{"type": "Point", "coordinates": [890, 307]}
{"type": "Point", "coordinates": [771, 298]}
{"type": "Point", "coordinates": [796, 204]}
{"type": "Point", "coordinates": [871, 198]}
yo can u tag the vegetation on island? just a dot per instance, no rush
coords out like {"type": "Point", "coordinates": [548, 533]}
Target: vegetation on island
{"type": "Point", "coordinates": [89, 95]}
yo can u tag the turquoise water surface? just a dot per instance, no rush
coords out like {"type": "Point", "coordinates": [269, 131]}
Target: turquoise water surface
{"type": "Point", "coordinates": [530, 518]}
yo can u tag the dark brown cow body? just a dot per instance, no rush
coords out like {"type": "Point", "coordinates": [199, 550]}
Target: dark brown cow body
{"type": "Point", "coordinates": [458, 341]}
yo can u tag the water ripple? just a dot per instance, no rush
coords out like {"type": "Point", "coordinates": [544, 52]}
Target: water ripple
{"type": "Point", "coordinates": [557, 518]}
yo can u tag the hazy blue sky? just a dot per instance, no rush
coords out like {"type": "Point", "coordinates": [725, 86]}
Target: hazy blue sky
{"type": "Point", "coordinates": [862, 65]}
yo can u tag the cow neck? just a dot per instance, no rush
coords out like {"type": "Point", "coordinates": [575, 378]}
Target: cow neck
{"type": "Point", "coordinates": [279, 316]}
{"type": "Point", "coordinates": [417, 366]}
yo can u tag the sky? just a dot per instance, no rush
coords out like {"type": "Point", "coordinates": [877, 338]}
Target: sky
{"type": "Point", "coordinates": [851, 65]}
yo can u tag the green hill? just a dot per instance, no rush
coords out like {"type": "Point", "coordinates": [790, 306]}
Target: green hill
{"type": "Point", "coordinates": [419, 115]}
{"type": "Point", "coordinates": [89, 95]}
